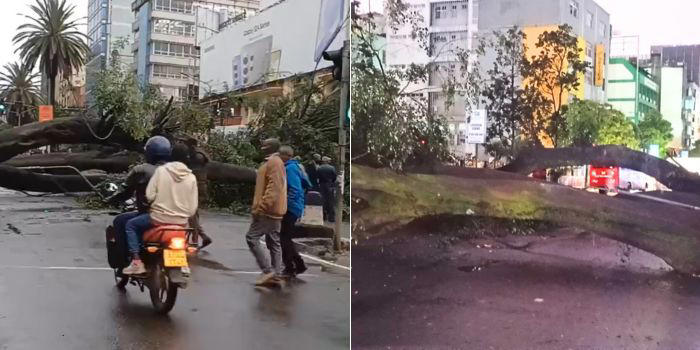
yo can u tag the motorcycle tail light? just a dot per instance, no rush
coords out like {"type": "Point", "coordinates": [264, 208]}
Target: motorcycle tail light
{"type": "Point", "coordinates": [177, 243]}
{"type": "Point", "coordinates": [151, 249]}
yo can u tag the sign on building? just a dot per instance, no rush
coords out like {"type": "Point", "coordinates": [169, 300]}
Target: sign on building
{"type": "Point", "coordinates": [265, 48]}
{"type": "Point", "coordinates": [599, 64]}
{"type": "Point", "coordinates": [45, 113]}
{"type": "Point", "coordinates": [476, 131]}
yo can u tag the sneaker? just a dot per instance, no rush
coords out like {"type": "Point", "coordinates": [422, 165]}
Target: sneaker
{"type": "Point", "coordinates": [264, 278]}
{"type": "Point", "coordinates": [300, 267]}
{"type": "Point", "coordinates": [205, 241]}
{"type": "Point", "coordinates": [135, 268]}
{"type": "Point", "coordinates": [288, 273]}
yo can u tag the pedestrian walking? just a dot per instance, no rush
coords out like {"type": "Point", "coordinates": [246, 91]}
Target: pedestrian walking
{"type": "Point", "coordinates": [197, 161]}
{"type": "Point", "coordinates": [297, 184]}
{"type": "Point", "coordinates": [312, 170]}
{"type": "Point", "coordinates": [269, 206]}
{"type": "Point", "coordinates": [327, 182]}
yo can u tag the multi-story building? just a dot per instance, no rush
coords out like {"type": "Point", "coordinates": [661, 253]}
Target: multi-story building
{"type": "Point", "coordinates": [632, 89]}
{"type": "Point", "coordinates": [673, 91]}
{"type": "Point", "coordinates": [109, 32]}
{"type": "Point", "coordinates": [262, 57]}
{"type": "Point", "coordinates": [165, 51]}
{"type": "Point", "coordinates": [455, 25]}
{"type": "Point", "coordinates": [688, 54]}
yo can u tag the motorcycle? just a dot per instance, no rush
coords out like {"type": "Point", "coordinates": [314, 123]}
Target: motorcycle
{"type": "Point", "coordinates": [165, 258]}
{"type": "Point", "coordinates": [164, 254]}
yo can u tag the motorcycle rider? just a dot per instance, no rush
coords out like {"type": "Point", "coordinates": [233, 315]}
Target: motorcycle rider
{"type": "Point", "coordinates": [172, 194]}
{"type": "Point", "coordinates": [157, 152]}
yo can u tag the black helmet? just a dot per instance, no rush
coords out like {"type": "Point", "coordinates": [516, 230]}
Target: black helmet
{"type": "Point", "coordinates": [157, 149]}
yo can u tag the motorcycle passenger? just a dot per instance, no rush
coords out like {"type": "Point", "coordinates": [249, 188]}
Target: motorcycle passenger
{"type": "Point", "coordinates": [157, 151]}
{"type": "Point", "coordinates": [172, 194]}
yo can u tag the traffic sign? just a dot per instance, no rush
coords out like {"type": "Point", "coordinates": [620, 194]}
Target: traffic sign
{"type": "Point", "coordinates": [476, 131]}
{"type": "Point", "coordinates": [45, 113]}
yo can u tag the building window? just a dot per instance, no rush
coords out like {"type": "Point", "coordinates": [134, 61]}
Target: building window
{"type": "Point", "coordinates": [173, 27]}
{"type": "Point", "coordinates": [573, 8]}
{"type": "Point", "coordinates": [589, 49]}
{"type": "Point", "coordinates": [601, 29]}
{"type": "Point", "coordinates": [180, 6]}
{"type": "Point", "coordinates": [172, 49]}
{"type": "Point", "coordinates": [589, 19]}
{"type": "Point", "coordinates": [171, 72]}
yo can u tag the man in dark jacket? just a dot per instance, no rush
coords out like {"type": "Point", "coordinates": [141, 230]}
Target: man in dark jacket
{"type": "Point", "coordinates": [312, 169]}
{"type": "Point", "coordinates": [157, 153]}
{"type": "Point", "coordinates": [326, 180]}
{"type": "Point", "coordinates": [297, 184]}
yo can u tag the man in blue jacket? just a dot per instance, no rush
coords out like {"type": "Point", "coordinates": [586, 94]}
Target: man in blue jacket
{"type": "Point", "coordinates": [297, 184]}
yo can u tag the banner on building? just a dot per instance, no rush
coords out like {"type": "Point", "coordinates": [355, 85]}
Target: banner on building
{"type": "Point", "coordinates": [599, 64]}
{"type": "Point", "coordinates": [266, 48]}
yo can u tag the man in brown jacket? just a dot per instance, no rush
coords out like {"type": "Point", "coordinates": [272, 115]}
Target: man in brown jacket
{"type": "Point", "coordinates": [269, 206]}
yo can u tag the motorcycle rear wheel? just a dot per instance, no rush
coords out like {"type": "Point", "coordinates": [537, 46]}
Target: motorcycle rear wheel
{"type": "Point", "coordinates": [162, 291]}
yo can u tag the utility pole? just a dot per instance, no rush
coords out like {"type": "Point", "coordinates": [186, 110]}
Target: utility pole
{"type": "Point", "coordinates": [342, 142]}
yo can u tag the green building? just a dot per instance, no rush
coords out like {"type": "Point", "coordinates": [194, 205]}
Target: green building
{"type": "Point", "coordinates": [631, 89]}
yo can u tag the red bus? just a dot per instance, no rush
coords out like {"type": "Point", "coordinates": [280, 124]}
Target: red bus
{"type": "Point", "coordinates": [605, 179]}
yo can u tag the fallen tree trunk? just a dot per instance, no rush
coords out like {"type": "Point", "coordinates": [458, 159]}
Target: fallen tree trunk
{"type": "Point", "coordinates": [672, 176]}
{"type": "Point", "coordinates": [60, 131]}
{"type": "Point", "coordinates": [384, 201]}
{"type": "Point", "coordinates": [111, 163]}
{"type": "Point", "coordinates": [23, 180]}
{"type": "Point", "coordinates": [120, 162]}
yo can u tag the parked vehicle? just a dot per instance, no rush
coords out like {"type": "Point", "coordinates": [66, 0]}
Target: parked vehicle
{"type": "Point", "coordinates": [604, 179]}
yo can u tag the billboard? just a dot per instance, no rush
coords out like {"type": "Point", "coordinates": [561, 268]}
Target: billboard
{"type": "Point", "coordinates": [599, 64]}
{"type": "Point", "coordinates": [274, 44]}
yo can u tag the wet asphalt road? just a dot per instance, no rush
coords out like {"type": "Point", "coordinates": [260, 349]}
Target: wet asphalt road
{"type": "Point", "coordinates": [56, 291]}
{"type": "Point", "coordinates": [578, 291]}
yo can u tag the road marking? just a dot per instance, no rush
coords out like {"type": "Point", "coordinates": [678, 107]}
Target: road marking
{"type": "Point", "coordinates": [321, 261]}
{"type": "Point", "coordinates": [55, 267]}
{"type": "Point", "coordinates": [666, 201]}
{"type": "Point", "coordinates": [313, 258]}
{"type": "Point", "coordinates": [110, 269]}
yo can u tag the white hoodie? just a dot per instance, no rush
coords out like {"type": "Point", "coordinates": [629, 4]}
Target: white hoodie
{"type": "Point", "coordinates": [172, 192]}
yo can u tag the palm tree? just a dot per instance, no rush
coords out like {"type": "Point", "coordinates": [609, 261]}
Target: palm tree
{"type": "Point", "coordinates": [53, 39]}
{"type": "Point", "coordinates": [18, 88]}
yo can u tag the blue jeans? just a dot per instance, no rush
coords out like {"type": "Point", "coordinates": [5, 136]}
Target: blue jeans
{"type": "Point", "coordinates": [134, 231]}
{"type": "Point", "coordinates": [120, 220]}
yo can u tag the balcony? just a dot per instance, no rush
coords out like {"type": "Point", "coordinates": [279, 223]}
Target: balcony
{"type": "Point", "coordinates": [229, 121]}
{"type": "Point", "coordinates": [180, 39]}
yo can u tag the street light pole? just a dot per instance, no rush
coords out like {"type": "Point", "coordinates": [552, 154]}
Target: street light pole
{"type": "Point", "coordinates": [344, 105]}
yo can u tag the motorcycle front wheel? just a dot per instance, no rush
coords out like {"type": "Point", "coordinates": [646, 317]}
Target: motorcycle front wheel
{"type": "Point", "coordinates": [163, 292]}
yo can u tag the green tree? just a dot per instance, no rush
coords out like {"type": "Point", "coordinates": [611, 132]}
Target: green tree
{"type": "Point", "coordinates": [308, 127]}
{"type": "Point", "coordinates": [54, 39]}
{"type": "Point", "coordinates": [503, 94]}
{"type": "Point", "coordinates": [119, 94]}
{"type": "Point", "coordinates": [18, 87]}
{"type": "Point", "coordinates": [655, 130]}
{"type": "Point", "coordinates": [391, 126]}
{"type": "Point", "coordinates": [550, 76]}
{"type": "Point", "coordinates": [616, 129]}
{"type": "Point", "coordinates": [590, 123]}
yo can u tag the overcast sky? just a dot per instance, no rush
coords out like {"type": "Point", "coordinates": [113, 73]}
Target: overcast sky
{"type": "Point", "coordinates": [11, 18]}
{"type": "Point", "coordinates": [672, 22]}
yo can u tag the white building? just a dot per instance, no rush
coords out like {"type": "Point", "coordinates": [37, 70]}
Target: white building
{"type": "Point", "coordinates": [164, 41]}
{"type": "Point", "coordinates": [454, 26]}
